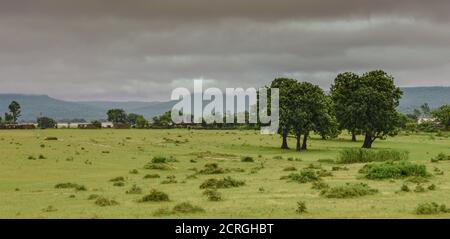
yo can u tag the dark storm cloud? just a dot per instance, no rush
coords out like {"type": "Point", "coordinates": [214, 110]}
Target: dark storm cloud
{"type": "Point", "coordinates": [127, 50]}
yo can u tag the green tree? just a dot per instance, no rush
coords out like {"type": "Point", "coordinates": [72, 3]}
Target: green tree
{"type": "Point", "coordinates": [132, 118]}
{"type": "Point", "coordinates": [46, 122]}
{"type": "Point", "coordinates": [163, 120]}
{"type": "Point", "coordinates": [117, 116]}
{"type": "Point", "coordinates": [8, 118]}
{"type": "Point", "coordinates": [426, 111]}
{"type": "Point", "coordinates": [141, 122]}
{"type": "Point", "coordinates": [287, 100]}
{"type": "Point", "coordinates": [14, 109]}
{"type": "Point", "coordinates": [442, 115]}
{"type": "Point", "coordinates": [367, 104]}
{"type": "Point", "coordinates": [346, 106]}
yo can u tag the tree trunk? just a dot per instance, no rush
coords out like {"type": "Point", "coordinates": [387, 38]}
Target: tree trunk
{"type": "Point", "coordinates": [353, 136]}
{"type": "Point", "coordinates": [367, 141]}
{"type": "Point", "coordinates": [305, 141]}
{"type": "Point", "coordinates": [284, 145]}
{"type": "Point", "coordinates": [299, 147]}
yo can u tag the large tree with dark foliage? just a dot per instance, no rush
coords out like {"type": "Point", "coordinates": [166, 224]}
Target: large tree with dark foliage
{"type": "Point", "coordinates": [117, 116]}
{"type": "Point", "coordinates": [14, 109]}
{"type": "Point", "coordinates": [368, 104]}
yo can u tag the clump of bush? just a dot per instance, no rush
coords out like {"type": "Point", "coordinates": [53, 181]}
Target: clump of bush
{"type": "Point", "coordinates": [404, 188]}
{"type": "Point", "coordinates": [337, 168]}
{"type": "Point", "coordinates": [159, 159]}
{"type": "Point", "coordinates": [157, 166]}
{"type": "Point", "coordinates": [134, 190]}
{"type": "Point", "coordinates": [117, 179]}
{"type": "Point", "coordinates": [93, 196]}
{"type": "Point", "coordinates": [247, 159]}
{"type": "Point", "coordinates": [440, 157]}
{"type": "Point", "coordinates": [324, 173]}
{"type": "Point", "coordinates": [76, 186]}
{"type": "Point", "coordinates": [431, 208]}
{"type": "Point", "coordinates": [419, 189]}
{"type": "Point", "coordinates": [290, 168]}
{"type": "Point", "coordinates": [169, 179]}
{"type": "Point", "coordinates": [186, 207]}
{"type": "Point", "coordinates": [349, 191]}
{"type": "Point", "coordinates": [304, 176]}
{"type": "Point", "coordinates": [213, 195]}
{"type": "Point", "coordinates": [212, 168]}
{"type": "Point", "coordinates": [393, 169]}
{"type": "Point", "coordinates": [301, 207]}
{"type": "Point", "coordinates": [147, 176]}
{"type": "Point", "coordinates": [319, 185]}
{"type": "Point", "coordinates": [226, 182]}
{"type": "Point", "coordinates": [104, 202]}
{"type": "Point", "coordinates": [348, 156]}
{"type": "Point", "coordinates": [155, 196]}
{"type": "Point", "coordinates": [134, 171]}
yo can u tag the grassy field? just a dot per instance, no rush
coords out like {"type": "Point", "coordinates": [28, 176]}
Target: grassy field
{"type": "Point", "coordinates": [31, 166]}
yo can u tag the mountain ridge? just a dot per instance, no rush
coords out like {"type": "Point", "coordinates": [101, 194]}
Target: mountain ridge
{"type": "Point", "coordinates": [37, 105]}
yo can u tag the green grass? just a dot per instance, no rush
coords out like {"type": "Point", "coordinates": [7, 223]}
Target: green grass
{"type": "Point", "coordinates": [27, 188]}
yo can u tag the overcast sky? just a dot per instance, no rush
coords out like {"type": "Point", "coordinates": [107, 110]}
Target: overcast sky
{"type": "Point", "coordinates": [141, 50]}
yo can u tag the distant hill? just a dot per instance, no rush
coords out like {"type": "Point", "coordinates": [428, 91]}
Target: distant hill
{"type": "Point", "coordinates": [35, 105]}
{"type": "Point", "coordinates": [413, 97]}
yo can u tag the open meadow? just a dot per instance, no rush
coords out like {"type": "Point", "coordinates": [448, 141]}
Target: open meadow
{"type": "Point", "coordinates": [107, 173]}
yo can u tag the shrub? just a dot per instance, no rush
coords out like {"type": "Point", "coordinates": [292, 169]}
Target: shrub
{"type": "Point", "coordinates": [93, 196]}
{"type": "Point", "coordinates": [431, 208]}
{"type": "Point", "coordinates": [349, 191]}
{"type": "Point", "coordinates": [119, 184]}
{"type": "Point", "coordinates": [77, 187]}
{"type": "Point", "coordinates": [134, 190]}
{"type": "Point", "coordinates": [212, 168]}
{"type": "Point", "coordinates": [134, 171]}
{"type": "Point", "coordinates": [170, 179]}
{"type": "Point", "coordinates": [301, 207]}
{"type": "Point", "coordinates": [440, 157]}
{"type": "Point", "coordinates": [159, 159]}
{"type": "Point", "coordinates": [337, 168]}
{"type": "Point", "coordinates": [326, 161]}
{"type": "Point", "coordinates": [104, 202]}
{"type": "Point", "coordinates": [319, 185]}
{"type": "Point", "coordinates": [186, 207]}
{"type": "Point", "coordinates": [247, 159]}
{"type": "Point", "coordinates": [41, 156]}
{"type": "Point", "coordinates": [348, 156]}
{"type": "Point", "coordinates": [394, 169]}
{"type": "Point", "coordinates": [419, 189]}
{"type": "Point", "coordinates": [155, 196]}
{"type": "Point", "coordinates": [291, 168]}
{"type": "Point", "coordinates": [432, 187]}
{"type": "Point", "coordinates": [117, 179]}
{"type": "Point", "coordinates": [405, 188]}
{"type": "Point", "coordinates": [323, 173]}
{"type": "Point", "coordinates": [213, 195]}
{"type": "Point", "coordinates": [157, 166]}
{"type": "Point", "coordinates": [305, 176]}
{"type": "Point", "coordinates": [226, 182]}
{"type": "Point", "coordinates": [147, 176]}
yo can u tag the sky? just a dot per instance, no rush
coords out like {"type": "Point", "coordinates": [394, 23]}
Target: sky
{"type": "Point", "coordinates": [142, 50]}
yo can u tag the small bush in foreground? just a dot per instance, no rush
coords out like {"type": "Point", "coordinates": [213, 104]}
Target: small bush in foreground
{"type": "Point", "coordinates": [213, 195]}
{"type": "Point", "coordinates": [157, 166]}
{"type": "Point", "coordinates": [347, 156]}
{"type": "Point", "coordinates": [104, 202]}
{"type": "Point", "coordinates": [431, 208]}
{"type": "Point", "coordinates": [349, 191]}
{"type": "Point", "coordinates": [77, 187]}
{"type": "Point", "coordinates": [117, 179]}
{"type": "Point", "coordinates": [226, 182]}
{"type": "Point", "coordinates": [405, 188]}
{"type": "Point", "coordinates": [212, 168]}
{"type": "Point", "coordinates": [155, 196]}
{"type": "Point", "coordinates": [319, 185]}
{"type": "Point", "coordinates": [292, 168]}
{"type": "Point", "coordinates": [247, 159]}
{"type": "Point", "coordinates": [301, 207]}
{"type": "Point", "coordinates": [147, 176]}
{"type": "Point", "coordinates": [305, 176]}
{"type": "Point", "coordinates": [159, 159]}
{"type": "Point", "coordinates": [186, 207]}
{"type": "Point", "coordinates": [440, 157]}
{"type": "Point", "coordinates": [394, 170]}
